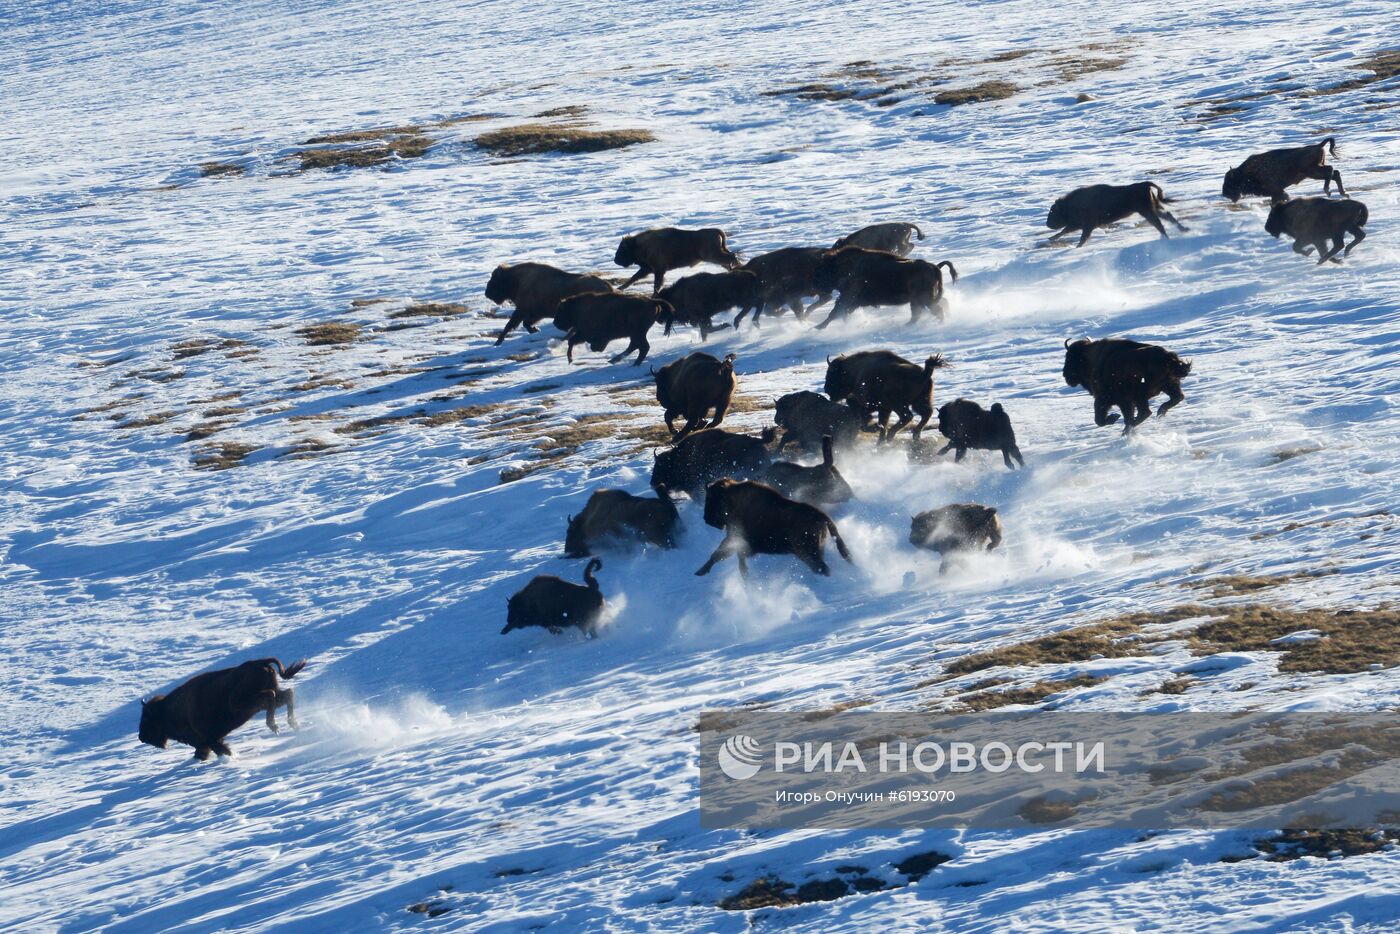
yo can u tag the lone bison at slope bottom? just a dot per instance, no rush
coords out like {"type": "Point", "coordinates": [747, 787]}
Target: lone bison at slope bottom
{"type": "Point", "coordinates": [599, 318]}
{"type": "Point", "coordinates": [757, 519]}
{"type": "Point", "coordinates": [821, 485]}
{"type": "Point", "coordinates": [536, 289]}
{"type": "Point", "coordinates": [554, 603]}
{"type": "Point", "coordinates": [707, 455]}
{"type": "Point", "coordinates": [616, 517]}
{"type": "Point", "coordinates": [889, 237]}
{"type": "Point", "coordinates": [958, 527]}
{"type": "Point", "coordinates": [208, 707]}
{"type": "Point", "coordinates": [1270, 174]}
{"type": "Point", "coordinates": [1125, 373]}
{"type": "Point", "coordinates": [658, 251]}
{"type": "Point", "coordinates": [691, 387]}
{"type": "Point", "coordinates": [1086, 209]}
{"type": "Point", "coordinates": [968, 426]}
{"type": "Point", "coordinates": [1311, 222]}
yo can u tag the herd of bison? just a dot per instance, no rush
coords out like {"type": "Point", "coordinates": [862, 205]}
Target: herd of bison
{"type": "Point", "coordinates": [769, 506]}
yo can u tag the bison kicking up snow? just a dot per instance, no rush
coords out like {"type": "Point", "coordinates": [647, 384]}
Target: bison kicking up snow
{"type": "Point", "coordinates": [208, 707]}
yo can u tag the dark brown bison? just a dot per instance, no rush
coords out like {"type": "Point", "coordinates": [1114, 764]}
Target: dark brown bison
{"type": "Point", "coordinates": [536, 289]}
{"type": "Point", "coordinates": [874, 279]}
{"type": "Point", "coordinates": [892, 237]}
{"type": "Point", "coordinates": [807, 417]}
{"type": "Point", "coordinates": [1311, 222]}
{"type": "Point", "coordinates": [700, 296]}
{"type": "Point", "coordinates": [208, 707]}
{"type": "Point", "coordinates": [785, 278]}
{"type": "Point", "coordinates": [554, 603]}
{"type": "Point", "coordinates": [691, 387]}
{"type": "Point", "coordinates": [1086, 209]}
{"type": "Point", "coordinates": [656, 252]}
{"type": "Point", "coordinates": [599, 318]}
{"type": "Point", "coordinates": [707, 455]}
{"type": "Point", "coordinates": [616, 517]}
{"type": "Point", "coordinates": [757, 519]}
{"type": "Point", "coordinates": [1270, 174]}
{"type": "Point", "coordinates": [967, 425]}
{"type": "Point", "coordinates": [1126, 374]}
{"type": "Point", "coordinates": [959, 527]}
{"type": "Point", "coordinates": [821, 485]}
{"type": "Point", "coordinates": [878, 381]}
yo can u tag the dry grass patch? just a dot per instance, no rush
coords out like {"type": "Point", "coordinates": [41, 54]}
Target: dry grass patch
{"type": "Point", "coordinates": [572, 111]}
{"type": "Point", "coordinates": [1174, 686]}
{"type": "Point", "coordinates": [1008, 56]}
{"type": "Point", "coordinates": [322, 381]}
{"type": "Point", "coordinates": [1071, 68]}
{"type": "Point", "coordinates": [986, 91]}
{"type": "Point", "coordinates": [224, 456]}
{"type": "Point", "coordinates": [1383, 66]}
{"type": "Point", "coordinates": [1034, 694]}
{"type": "Point", "coordinates": [536, 138]}
{"type": "Point", "coordinates": [1039, 810]}
{"type": "Point", "coordinates": [1350, 640]}
{"type": "Point", "coordinates": [221, 169]}
{"type": "Point", "coordinates": [457, 415]}
{"type": "Point", "coordinates": [197, 346]}
{"type": "Point", "coordinates": [364, 136]}
{"type": "Point", "coordinates": [1326, 844]}
{"type": "Point", "coordinates": [403, 142]}
{"type": "Point", "coordinates": [205, 429]}
{"type": "Point", "coordinates": [431, 309]}
{"type": "Point", "coordinates": [772, 892]}
{"type": "Point", "coordinates": [330, 333]}
{"type": "Point", "coordinates": [147, 421]}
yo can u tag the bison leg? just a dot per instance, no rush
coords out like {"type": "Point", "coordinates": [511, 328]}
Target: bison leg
{"type": "Point", "coordinates": [1156, 221]}
{"type": "Point", "coordinates": [516, 320]}
{"type": "Point", "coordinates": [1301, 248]}
{"type": "Point", "coordinates": [731, 545]}
{"type": "Point", "coordinates": [940, 308]}
{"type": "Point", "coordinates": [286, 697]}
{"type": "Point", "coordinates": [1336, 177]}
{"type": "Point", "coordinates": [962, 452]}
{"type": "Point", "coordinates": [1084, 237]}
{"type": "Point", "coordinates": [1059, 235]}
{"type": "Point", "coordinates": [1007, 454]}
{"type": "Point", "coordinates": [883, 421]}
{"type": "Point", "coordinates": [221, 748]}
{"type": "Point", "coordinates": [656, 280]}
{"type": "Point", "coordinates": [842, 309]}
{"type": "Point", "coordinates": [671, 421]}
{"type": "Point", "coordinates": [1174, 396]}
{"type": "Point", "coordinates": [923, 420]}
{"type": "Point", "coordinates": [270, 705]}
{"type": "Point", "coordinates": [1163, 212]}
{"type": "Point", "coordinates": [1129, 409]}
{"type": "Point", "coordinates": [810, 554]}
{"type": "Point", "coordinates": [720, 409]}
{"type": "Point", "coordinates": [202, 753]}
{"type": "Point", "coordinates": [946, 448]}
{"type": "Point", "coordinates": [905, 417]}
{"type": "Point", "coordinates": [570, 354]}
{"type": "Point", "coordinates": [822, 299]}
{"type": "Point", "coordinates": [1324, 254]}
{"type": "Point", "coordinates": [644, 346]}
{"type": "Point", "coordinates": [1359, 234]}
{"type": "Point", "coordinates": [641, 271]}
{"type": "Point", "coordinates": [1102, 415]}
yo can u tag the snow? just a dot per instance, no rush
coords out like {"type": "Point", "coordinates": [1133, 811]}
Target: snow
{"type": "Point", "coordinates": [550, 781]}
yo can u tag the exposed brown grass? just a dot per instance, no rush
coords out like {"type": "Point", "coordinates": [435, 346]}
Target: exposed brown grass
{"type": "Point", "coordinates": [986, 91]}
{"type": "Point", "coordinates": [1234, 584]}
{"type": "Point", "coordinates": [815, 92]}
{"type": "Point", "coordinates": [1383, 66]}
{"type": "Point", "coordinates": [403, 147]}
{"type": "Point", "coordinates": [1073, 67]}
{"type": "Point", "coordinates": [1327, 844]}
{"type": "Point", "coordinates": [329, 333]}
{"type": "Point", "coordinates": [431, 309]}
{"type": "Point", "coordinates": [1106, 638]}
{"type": "Point", "coordinates": [467, 118]}
{"type": "Point", "coordinates": [457, 415]}
{"type": "Point", "coordinates": [918, 865]}
{"type": "Point", "coordinates": [1034, 694]}
{"type": "Point", "coordinates": [364, 136]}
{"type": "Point", "coordinates": [1353, 640]}
{"type": "Point", "coordinates": [322, 381]}
{"type": "Point", "coordinates": [194, 347]}
{"type": "Point", "coordinates": [571, 110]}
{"type": "Point", "coordinates": [206, 429]}
{"type": "Point", "coordinates": [1174, 685]}
{"type": "Point", "coordinates": [772, 892]}
{"type": "Point", "coordinates": [224, 456]}
{"type": "Point", "coordinates": [1009, 55]}
{"type": "Point", "coordinates": [221, 169]}
{"type": "Point", "coordinates": [536, 138]}
{"type": "Point", "coordinates": [147, 421]}
{"type": "Point", "coordinates": [1038, 810]}
{"type": "Point", "coordinates": [1287, 454]}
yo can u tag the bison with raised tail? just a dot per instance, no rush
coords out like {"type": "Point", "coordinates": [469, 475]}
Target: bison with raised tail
{"type": "Point", "coordinates": [616, 517]}
{"type": "Point", "coordinates": [208, 707]}
{"type": "Point", "coordinates": [1270, 174]}
{"type": "Point", "coordinates": [890, 237]}
{"type": "Point", "coordinates": [968, 426]}
{"type": "Point", "coordinates": [599, 318]}
{"type": "Point", "coordinates": [878, 381]}
{"type": "Point", "coordinates": [707, 455]}
{"type": "Point", "coordinates": [536, 289]}
{"type": "Point", "coordinates": [692, 386]}
{"type": "Point", "coordinates": [657, 252]}
{"type": "Point", "coordinates": [958, 527]}
{"type": "Point", "coordinates": [757, 519]}
{"type": "Point", "coordinates": [553, 603]}
{"type": "Point", "coordinates": [875, 279]}
{"type": "Point", "coordinates": [1126, 374]}
{"type": "Point", "coordinates": [1311, 222]}
{"type": "Point", "coordinates": [1087, 209]}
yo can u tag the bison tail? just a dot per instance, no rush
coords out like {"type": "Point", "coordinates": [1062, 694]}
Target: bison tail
{"type": "Point", "coordinates": [289, 672]}
{"type": "Point", "coordinates": [1331, 143]}
{"type": "Point", "coordinates": [588, 578]}
{"type": "Point", "coordinates": [936, 362]}
{"type": "Point", "coordinates": [952, 273]}
{"type": "Point", "coordinates": [840, 542]}
{"type": "Point", "coordinates": [1180, 367]}
{"type": "Point", "coordinates": [917, 232]}
{"type": "Point", "coordinates": [828, 456]}
{"type": "Point", "coordinates": [769, 434]}
{"type": "Point", "coordinates": [1159, 193]}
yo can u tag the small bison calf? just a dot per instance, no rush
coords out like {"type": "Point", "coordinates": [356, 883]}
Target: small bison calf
{"type": "Point", "coordinates": [700, 296]}
{"type": "Point", "coordinates": [1270, 174]}
{"type": "Point", "coordinates": [599, 318]}
{"type": "Point", "coordinates": [692, 386]}
{"type": "Point", "coordinates": [821, 485]}
{"type": "Point", "coordinates": [967, 425]}
{"type": "Point", "coordinates": [656, 252]}
{"type": "Point", "coordinates": [536, 289]}
{"type": "Point", "coordinates": [959, 527]}
{"type": "Point", "coordinates": [618, 517]}
{"type": "Point", "coordinates": [1086, 209]}
{"type": "Point", "coordinates": [891, 237]}
{"type": "Point", "coordinates": [807, 417]}
{"type": "Point", "coordinates": [757, 519]}
{"type": "Point", "coordinates": [1311, 222]}
{"type": "Point", "coordinates": [208, 707]}
{"type": "Point", "coordinates": [554, 603]}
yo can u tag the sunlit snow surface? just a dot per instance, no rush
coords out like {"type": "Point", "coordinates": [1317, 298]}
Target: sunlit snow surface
{"type": "Point", "coordinates": [435, 752]}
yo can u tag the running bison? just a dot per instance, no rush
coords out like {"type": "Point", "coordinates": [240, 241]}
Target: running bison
{"type": "Point", "coordinates": [1086, 209]}
{"type": "Point", "coordinates": [599, 318]}
{"type": "Point", "coordinates": [657, 252]}
{"type": "Point", "coordinates": [1311, 222]}
{"type": "Point", "coordinates": [554, 603]}
{"type": "Point", "coordinates": [691, 387]}
{"type": "Point", "coordinates": [1270, 174]}
{"type": "Point", "coordinates": [878, 381]}
{"type": "Point", "coordinates": [1126, 374]}
{"type": "Point", "coordinates": [821, 485]}
{"type": "Point", "coordinates": [616, 517]}
{"type": "Point", "coordinates": [208, 707]}
{"type": "Point", "coordinates": [700, 296]}
{"type": "Point", "coordinates": [757, 519]}
{"type": "Point", "coordinates": [892, 237]}
{"type": "Point", "coordinates": [785, 278]}
{"type": "Point", "coordinates": [707, 455]}
{"type": "Point", "coordinates": [968, 426]}
{"type": "Point", "coordinates": [536, 289]}
{"type": "Point", "coordinates": [954, 528]}
{"type": "Point", "coordinates": [873, 279]}
{"type": "Point", "coordinates": [807, 417]}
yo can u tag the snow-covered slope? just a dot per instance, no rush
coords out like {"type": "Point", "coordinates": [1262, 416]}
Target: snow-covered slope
{"type": "Point", "coordinates": [550, 781]}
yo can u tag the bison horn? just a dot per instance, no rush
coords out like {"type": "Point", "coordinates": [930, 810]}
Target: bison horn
{"type": "Point", "coordinates": [828, 358]}
{"type": "Point", "coordinates": [1066, 343]}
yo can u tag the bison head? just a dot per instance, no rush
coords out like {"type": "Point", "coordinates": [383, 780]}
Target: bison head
{"type": "Point", "coordinates": [665, 469]}
{"type": "Point", "coordinates": [925, 531]}
{"type": "Point", "coordinates": [838, 383]}
{"type": "Point", "coordinates": [1234, 185]}
{"type": "Point", "coordinates": [717, 503]}
{"type": "Point", "coordinates": [1076, 370]}
{"type": "Point", "coordinates": [153, 729]}
{"type": "Point", "coordinates": [1276, 221]}
{"type": "Point", "coordinates": [501, 284]}
{"type": "Point", "coordinates": [828, 272]}
{"type": "Point", "coordinates": [566, 314]}
{"type": "Point", "coordinates": [1058, 216]}
{"type": "Point", "coordinates": [625, 255]}
{"type": "Point", "coordinates": [575, 545]}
